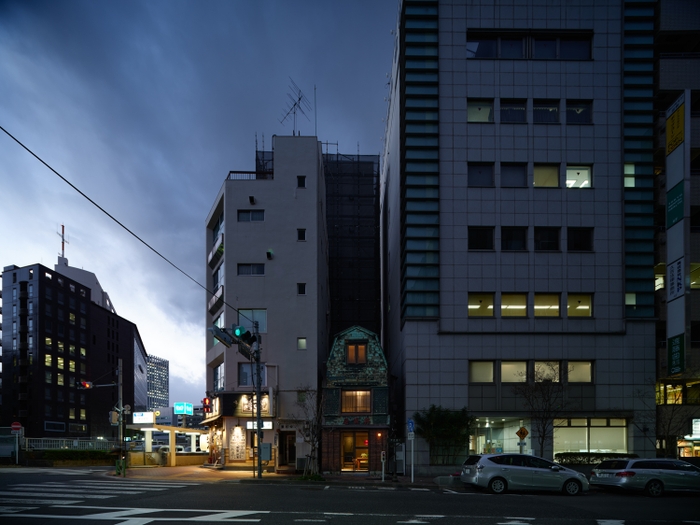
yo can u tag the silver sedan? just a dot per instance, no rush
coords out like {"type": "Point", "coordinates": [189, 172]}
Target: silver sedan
{"type": "Point", "coordinates": [502, 472]}
{"type": "Point", "coordinates": [653, 476]}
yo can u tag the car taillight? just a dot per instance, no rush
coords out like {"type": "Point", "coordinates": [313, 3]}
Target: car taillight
{"type": "Point", "coordinates": [625, 474]}
{"type": "Point", "coordinates": [479, 466]}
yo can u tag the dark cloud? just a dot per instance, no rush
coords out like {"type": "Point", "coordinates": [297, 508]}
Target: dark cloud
{"type": "Point", "coordinates": [146, 106]}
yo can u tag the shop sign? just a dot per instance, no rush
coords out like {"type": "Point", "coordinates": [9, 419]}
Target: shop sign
{"type": "Point", "coordinates": [676, 354]}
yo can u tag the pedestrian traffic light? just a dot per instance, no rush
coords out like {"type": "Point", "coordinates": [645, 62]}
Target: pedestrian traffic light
{"type": "Point", "coordinates": [206, 405]}
{"type": "Point", "coordinates": [83, 385]}
{"type": "Point", "coordinates": [114, 418]}
{"type": "Point", "coordinates": [243, 334]}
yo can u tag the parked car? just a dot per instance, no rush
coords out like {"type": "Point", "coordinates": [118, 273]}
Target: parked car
{"type": "Point", "coordinates": [653, 476]}
{"type": "Point", "coordinates": [500, 473]}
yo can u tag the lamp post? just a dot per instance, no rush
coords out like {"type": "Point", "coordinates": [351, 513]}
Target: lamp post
{"type": "Point", "coordinates": [258, 392]}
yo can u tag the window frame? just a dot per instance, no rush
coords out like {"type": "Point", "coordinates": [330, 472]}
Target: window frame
{"type": "Point", "coordinates": [508, 105]}
{"type": "Point", "coordinates": [353, 354]}
{"type": "Point", "coordinates": [477, 234]}
{"type": "Point", "coordinates": [474, 107]}
{"type": "Point", "coordinates": [242, 365]}
{"type": "Point", "coordinates": [575, 241]}
{"type": "Point", "coordinates": [478, 173]}
{"type": "Point", "coordinates": [549, 108]}
{"type": "Point", "coordinates": [484, 308]}
{"type": "Point", "coordinates": [576, 107]}
{"type": "Point", "coordinates": [356, 401]}
{"type": "Point", "coordinates": [251, 267]}
{"type": "Point", "coordinates": [506, 244]}
{"type": "Point", "coordinates": [542, 242]}
{"type": "Point", "coordinates": [251, 215]}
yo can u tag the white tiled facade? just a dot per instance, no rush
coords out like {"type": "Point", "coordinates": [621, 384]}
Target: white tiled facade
{"type": "Point", "coordinates": [431, 353]}
{"type": "Point", "coordinates": [261, 265]}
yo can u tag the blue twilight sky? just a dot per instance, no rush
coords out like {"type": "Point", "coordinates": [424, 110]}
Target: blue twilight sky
{"type": "Point", "coordinates": [145, 106]}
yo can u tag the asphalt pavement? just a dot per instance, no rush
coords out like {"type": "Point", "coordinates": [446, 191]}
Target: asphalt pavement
{"type": "Point", "coordinates": [200, 473]}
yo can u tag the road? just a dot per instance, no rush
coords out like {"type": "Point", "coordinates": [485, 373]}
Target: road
{"type": "Point", "coordinates": [63, 496]}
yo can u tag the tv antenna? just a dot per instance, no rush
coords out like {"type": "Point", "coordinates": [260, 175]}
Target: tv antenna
{"type": "Point", "coordinates": [297, 103]}
{"type": "Point", "coordinates": [62, 235]}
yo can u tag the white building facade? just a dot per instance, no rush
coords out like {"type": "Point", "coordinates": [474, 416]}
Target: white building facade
{"type": "Point", "coordinates": [267, 250]}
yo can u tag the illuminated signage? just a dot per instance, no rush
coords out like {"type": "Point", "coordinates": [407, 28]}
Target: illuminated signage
{"type": "Point", "coordinates": [141, 418]}
{"type": "Point", "coordinates": [183, 408]}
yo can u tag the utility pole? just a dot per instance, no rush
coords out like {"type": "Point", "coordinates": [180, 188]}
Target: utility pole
{"type": "Point", "coordinates": [120, 409]}
{"type": "Point", "coordinates": [258, 393]}
{"type": "Point", "coordinates": [249, 346]}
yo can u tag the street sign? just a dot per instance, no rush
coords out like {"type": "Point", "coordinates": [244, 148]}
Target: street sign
{"type": "Point", "coordinates": [522, 433]}
{"type": "Point", "coordinates": [410, 436]}
{"type": "Point", "coordinates": [522, 444]}
{"type": "Point", "coordinates": [16, 426]}
{"type": "Point", "coordinates": [411, 426]}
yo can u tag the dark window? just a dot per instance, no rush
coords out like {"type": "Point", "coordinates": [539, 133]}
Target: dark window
{"type": "Point", "coordinates": [514, 238]}
{"type": "Point", "coordinates": [251, 269]}
{"type": "Point", "coordinates": [301, 234]}
{"type": "Point", "coordinates": [480, 238]}
{"type": "Point", "coordinates": [301, 288]}
{"type": "Point", "coordinates": [513, 175]}
{"type": "Point", "coordinates": [512, 48]}
{"type": "Point", "coordinates": [513, 110]}
{"type": "Point", "coordinates": [481, 47]}
{"type": "Point", "coordinates": [545, 111]}
{"type": "Point", "coordinates": [579, 239]}
{"type": "Point", "coordinates": [544, 48]}
{"type": "Point", "coordinates": [546, 239]}
{"type": "Point", "coordinates": [251, 215]}
{"type": "Point", "coordinates": [301, 181]}
{"type": "Point", "coordinates": [579, 112]}
{"type": "Point", "coordinates": [480, 175]}
{"type": "Point", "coordinates": [575, 49]}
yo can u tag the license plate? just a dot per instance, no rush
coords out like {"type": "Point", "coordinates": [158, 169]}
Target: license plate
{"type": "Point", "coordinates": [467, 470]}
{"type": "Point", "coordinates": [604, 475]}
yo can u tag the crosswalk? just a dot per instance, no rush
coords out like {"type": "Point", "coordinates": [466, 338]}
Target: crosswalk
{"type": "Point", "coordinates": [18, 497]}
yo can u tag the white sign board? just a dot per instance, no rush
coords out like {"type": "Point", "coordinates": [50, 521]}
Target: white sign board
{"type": "Point", "coordinates": [144, 418]}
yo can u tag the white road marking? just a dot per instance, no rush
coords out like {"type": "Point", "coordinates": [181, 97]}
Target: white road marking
{"type": "Point", "coordinates": [56, 495]}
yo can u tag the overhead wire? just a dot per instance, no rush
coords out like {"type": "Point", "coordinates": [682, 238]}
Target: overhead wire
{"type": "Point", "coordinates": [117, 220]}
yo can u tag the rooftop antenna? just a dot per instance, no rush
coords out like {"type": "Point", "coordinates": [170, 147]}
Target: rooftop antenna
{"type": "Point", "coordinates": [63, 240]}
{"type": "Point", "coordinates": [297, 102]}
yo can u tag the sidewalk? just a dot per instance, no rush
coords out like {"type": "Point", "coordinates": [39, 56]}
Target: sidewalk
{"type": "Point", "coordinates": [204, 474]}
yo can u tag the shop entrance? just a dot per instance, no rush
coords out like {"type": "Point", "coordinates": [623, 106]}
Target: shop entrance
{"type": "Point", "coordinates": [288, 448]}
{"type": "Point", "coordinates": [355, 451]}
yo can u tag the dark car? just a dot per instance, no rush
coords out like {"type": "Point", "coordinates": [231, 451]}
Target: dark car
{"type": "Point", "coordinates": [653, 476]}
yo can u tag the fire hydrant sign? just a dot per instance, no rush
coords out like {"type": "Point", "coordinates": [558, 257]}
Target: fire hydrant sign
{"type": "Point", "coordinates": [522, 433]}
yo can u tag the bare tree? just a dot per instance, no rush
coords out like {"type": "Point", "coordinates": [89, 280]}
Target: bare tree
{"type": "Point", "coordinates": [664, 419]}
{"type": "Point", "coordinates": [544, 400]}
{"type": "Point", "coordinates": [310, 413]}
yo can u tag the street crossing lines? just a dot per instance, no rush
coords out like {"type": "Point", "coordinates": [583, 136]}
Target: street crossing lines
{"type": "Point", "coordinates": [70, 492]}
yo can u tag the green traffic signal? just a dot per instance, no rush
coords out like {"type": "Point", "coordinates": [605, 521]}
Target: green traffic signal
{"type": "Point", "coordinates": [243, 334]}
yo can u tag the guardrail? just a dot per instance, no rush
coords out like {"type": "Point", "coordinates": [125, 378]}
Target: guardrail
{"type": "Point", "coordinates": [69, 444]}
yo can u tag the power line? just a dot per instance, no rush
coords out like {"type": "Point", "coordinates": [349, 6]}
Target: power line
{"type": "Point", "coordinates": [116, 220]}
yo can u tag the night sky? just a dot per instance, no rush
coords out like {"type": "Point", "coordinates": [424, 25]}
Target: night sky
{"type": "Point", "coordinates": [145, 106]}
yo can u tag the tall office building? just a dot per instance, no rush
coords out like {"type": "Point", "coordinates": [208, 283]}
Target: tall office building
{"type": "Point", "coordinates": [518, 223]}
{"type": "Point", "coordinates": [267, 252]}
{"type": "Point", "coordinates": [158, 382]}
{"type": "Point", "coordinates": [59, 328]}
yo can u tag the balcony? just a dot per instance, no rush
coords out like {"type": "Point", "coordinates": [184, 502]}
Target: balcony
{"type": "Point", "coordinates": [217, 252]}
{"type": "Point", "coordinates": [247, 175]}
{"type": "Point", "coordinates": [217, 300]}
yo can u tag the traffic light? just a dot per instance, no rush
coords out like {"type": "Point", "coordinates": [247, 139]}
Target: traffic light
{"type": "Point", "coordinates": [83, 385]}
{"type": "Point", "coordinates": [206, 405]}
{"type": "Point", "coordinates": [221, 336]}
{"type": "Point", "coordinates": [243, 334]}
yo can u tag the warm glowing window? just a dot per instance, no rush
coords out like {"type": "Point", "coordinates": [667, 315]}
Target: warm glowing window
{"type": "Point", "coordinates": [355, 401]}
{"type": "Point", "coordinates": [547, 371]}
{"type": "Point", "coordinates": [48, 360]}
{"type": "Point", "coordinates": [480, 305]}
{"type": "Point", "coordinates": [580, 372]}
{"type": "Point", "coordinates": [513, 371]}
{"type": "Point", "coordinates": [356, 353]}
{"type": "Point", "coordinates": [579, 305]}
{"type": "Point", "coordinates": [514, 305]}
{"type": "Point", "coordinates": [546, 305]}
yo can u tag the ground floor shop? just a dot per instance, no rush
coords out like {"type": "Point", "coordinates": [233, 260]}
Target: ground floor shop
{"type": "Point", "coordinates": [347, 450]}
{"type": "Point", "coordinates": [496, 435]}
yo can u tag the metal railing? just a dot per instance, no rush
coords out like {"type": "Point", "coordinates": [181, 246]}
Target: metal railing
{"type": "Point", "coordinates": [71, 444]}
